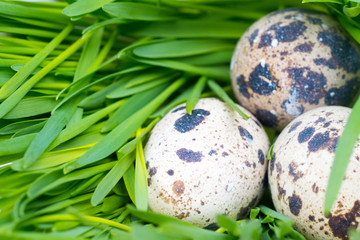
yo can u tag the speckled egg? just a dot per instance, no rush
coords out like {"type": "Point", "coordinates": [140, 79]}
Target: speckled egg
{"type": "Point", "coordinates": [291, 61]}
{"type": "Point", "coordinates": [210, 162]}
{"type": "Point", "coordinates": [299, 172]}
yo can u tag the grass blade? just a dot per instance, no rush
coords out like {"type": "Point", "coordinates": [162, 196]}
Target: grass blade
{"type": "Point", "coordinates": [130, 146]}
{"type": "Point", "coordinates": [87, 86]}
{"type": "Point", "coordinates": [14, 98]}
{"type": "Point", "coordinates": [343, 153]}
{"type": "Point", "coordinates": [141, 185]}
{"type": "Point", "coordinates": [31, 106]}
{"type": "Point", "coordinates": [117, 137]}
{"type": "Point", "coordinates": [16, 145]}
{"type": "Point", "coordinates": [16, 126]}
{"type": "Point", "coordinates": [111, 179]}
{"type": "Point", "coordinates": [31, 65]}
{"type": "Point", "coordinates": [63, 115]}
{"type": "Point", "coordinates": [218, 72]}
{"type": "Point", "coordinates": [84, 124]}
{"type": "Point", "coordinates": [222, 94]}
{"type": "Point", "coordinates": [16, 10]}
{"type": "Point", "coordinates": [48, 133]}
{"type": "Point", "coordinates": [82, 7]}
{"type": "Point", "coordinates": [195, 94]}
{"type": "Point", "coordinates": [214, 58]}
{"type": "Point", "coordinates": [134, 104]}
{"type": "Point", "coordinates": [194, 29]}
{"type": "Point", "coordinates": [129, 180]}
{"type": "Point", "coordinates": [189, 47]}
{"type": "Point", "coordinates": [98, 98]}
{"type": "Point", "coordinates": [156, 218]}
{"type": "Point", "coordinates": [53, 159]}
{"type": "Point", "coordinates": [140, 11]}
{"type": "Point", "coordinates": [110, 21]}
{"type": "Point", "coordinates": [57, 178]}
{"type": "Point", "coordinates": [147, 76]}
{"type": "Point", "coordinates": [31, 129]}
{"type": "Point", "coordinates": [122, 91]}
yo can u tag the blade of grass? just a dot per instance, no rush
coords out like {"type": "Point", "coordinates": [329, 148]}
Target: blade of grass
{"type": "Point", "coordinates": [113, 203]}
{"type": "Point", "coordinates": [28, 31]}
{"type": "Point", "coordinates": [129, 180]}
{"type": "Point", "coordinates": [178, 100]}
{"type": "Point", "coordinates": [22, 42]}
{"type": "Point", "coordinates": [343, 153]}
{"type": "Point", "coordinates": [150, 232]}
{"type": "Point", "coordinates": [87, 86]}
{"type": "Point", "coordinates": [24, 50]}
{"type": "Point", "coordinates": [122, 91]}
{"type": "Point", "coordinates": [53, 159]}
{"type": "Point", "coordinates": [16, 145]}
{"type": "Point", "coordinates": [189, 47]}
{"type": "Point", "coordinates": [135, 103]}
{"type": "Point", "coordinates": [39, 23]}
{"type": "Point", "coordinates": [141, 185]}
{"type": "Point", "coordinates": [31, 106]}
{"type": "Point", "coordinates": [218, 72]}
{"type": "Point", "coordinates": [245, 12]}
{"type": "Point", "coordinates": [117, 137]}
{"type": "Point", "coordinates": [98, 98]}
{"type": "Point", "coordinates": [214, 58]}
{"type": "Point", "coordinates": [84, 124]}
{"type": "Point", "coordinates": [12, 9]}
{"type": "Point", "coordinates": [270, 212]}
{"type": "Point", "coordinates": [72, 217]}
{"type": "Point", "coordinates": [76, 117]}
{"type": "Point", "coordinates": [27, 235]}
{"type": "Point", "coordinates": [156, 218]}
{"type": "Point", "coordinates": [13, 56]}
{"type": "Point", "coordinates": [195, 94]}
{"type": "Point", "coordinates": [87, 184]}
{"type": "Point", "coordinates": [130, 146]}
{"type": "Point", "coordinates": [57, 178]}
{"type": "Point", "coordinates": [222, 94]}
{"type": "Point", "coordinates": [140, 11]}
{"type": "Point", "coordinates": [28, 130]}
{"type": "Point", "coordinates": [16, 126]}
{"type": "Point", "coordinates": [194, 29]}
{"type": "Point", "coordinates": [82, 7]}
{"type": "Point", "coordinates": [14, 98]}
{"type": "Point", "coordinates": [58, 206]}
{"type": "Point", "coordinates": [111, 179]}
{"type": "Point", "coordinates": [103, 24]}
{"type": "Point", "coordinates": [351, 27]}
{"type": "Point", "coordinates": [147, 76]}
{"type": "Point", "coordinates": [63, 115]}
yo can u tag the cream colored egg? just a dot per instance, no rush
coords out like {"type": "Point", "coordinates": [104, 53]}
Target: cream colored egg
{"type": "Point", "coordinates": [210, 162]}
{"type": "Point", "coordinates": [299, 171]}
{"type": "Point", "coordinates": [291, 61]}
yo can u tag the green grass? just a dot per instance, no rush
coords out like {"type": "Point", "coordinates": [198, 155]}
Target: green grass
{"type": "Point", "coordinates": [83, 84]}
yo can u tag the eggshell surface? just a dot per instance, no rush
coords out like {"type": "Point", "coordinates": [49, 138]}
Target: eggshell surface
{"type": "Point", "coordinates": [299, 171]}
{"type": "Point", "coordinates": [292, 61]}
{"type": "Point", "coordinates": [210, 162]}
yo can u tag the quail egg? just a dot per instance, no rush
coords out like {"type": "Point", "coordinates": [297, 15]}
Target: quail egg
{"type": "Point", "coordinates": [207, 163]}
{"type": "Point", "coordinates": [291, 61]}
{"type": "Point", "coordinates": [299, 171]}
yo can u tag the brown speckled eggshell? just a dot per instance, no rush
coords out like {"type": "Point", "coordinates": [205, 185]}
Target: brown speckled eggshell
{"type": "Point", "coordinates": [299, 172]}
{"type": "Point", "coordinates": [291, 61]}
{"type": "Point", "coordinates": [210, 162]}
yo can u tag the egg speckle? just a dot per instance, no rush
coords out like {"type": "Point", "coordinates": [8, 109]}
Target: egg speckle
{"type": "Point", "coordinates": [299, 171]}
{"type": "Point", "coordinates": [292, 61]}
{"type": "Point", "coordinates": [207, 163]}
